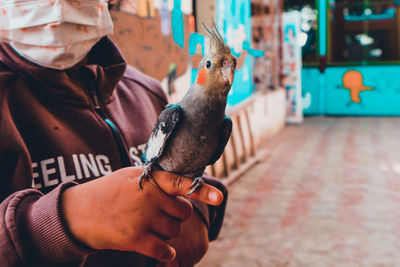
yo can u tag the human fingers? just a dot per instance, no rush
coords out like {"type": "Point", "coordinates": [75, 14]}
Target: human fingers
{"type": "Point", "coordinates": [165, 227]}
{"type": "Point", "coordinates": [191, 245]}
{"type": "Point", "coordinates": [179, 185]}
{"type": "Point", "coordinates": [176, 207]}
{"type": "Point", "coordinates": [153, 246]}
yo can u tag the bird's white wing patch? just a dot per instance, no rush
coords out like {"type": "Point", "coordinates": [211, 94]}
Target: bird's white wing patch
{"type": "Point", "coordinates": [162, 132]}
{"type": "Point", "coordinates": [156, 143]}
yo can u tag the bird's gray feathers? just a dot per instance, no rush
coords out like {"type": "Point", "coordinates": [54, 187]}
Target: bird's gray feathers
{"type": "Point", "coordinates": [224, 134]}
{"type": "Point", "coordinates": [196, 139]}
{"type": "Point", "coordinates": [165, 126]}
{"type": "Point", "coordinates": [193, 133]}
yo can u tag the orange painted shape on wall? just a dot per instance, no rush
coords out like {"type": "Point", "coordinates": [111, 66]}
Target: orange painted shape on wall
{"type": "Point", "coordinates": [353, 81]}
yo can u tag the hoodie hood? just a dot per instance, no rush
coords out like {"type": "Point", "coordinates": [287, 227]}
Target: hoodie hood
{"type": "Point", "coordinates": [101, 70]}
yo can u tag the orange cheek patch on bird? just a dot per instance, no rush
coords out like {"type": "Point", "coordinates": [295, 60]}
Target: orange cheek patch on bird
{"type": "Point", "coordinates": [201, 76]}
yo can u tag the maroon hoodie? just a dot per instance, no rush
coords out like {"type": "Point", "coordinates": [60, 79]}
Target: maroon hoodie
{"type": "Point", "coordinates": [60, 128]}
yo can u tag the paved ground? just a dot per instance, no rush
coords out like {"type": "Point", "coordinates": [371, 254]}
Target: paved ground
{"type": "Point", "coordinates": [329, 195]}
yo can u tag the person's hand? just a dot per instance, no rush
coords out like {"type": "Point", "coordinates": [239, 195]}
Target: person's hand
{"type": "Point", "coordinates": [191, 244]}
{"type": "Point", "coordinates": [112, 212]}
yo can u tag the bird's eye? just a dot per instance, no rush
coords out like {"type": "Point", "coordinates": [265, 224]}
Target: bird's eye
{"type": "Point", "coordinates": [208, 64]}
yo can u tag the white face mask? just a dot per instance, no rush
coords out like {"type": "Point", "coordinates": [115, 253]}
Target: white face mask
{"type": "Point", "coordinates": [54, 33]}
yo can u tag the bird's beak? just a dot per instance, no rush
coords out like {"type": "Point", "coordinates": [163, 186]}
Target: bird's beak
{"type": "Point", "coordinates": [228, 71]}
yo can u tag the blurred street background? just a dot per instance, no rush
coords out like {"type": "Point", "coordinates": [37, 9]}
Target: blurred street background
{"type": "Point", "coordinates": [313, 162]}
{"type": "Point", "coordinates": [323, 198]}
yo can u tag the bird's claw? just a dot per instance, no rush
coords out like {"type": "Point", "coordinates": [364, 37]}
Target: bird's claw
{"type": "Point", "coordinates": [145, 174]}
{"type": "Point", "coordinates": [141, 180]}
{"type": "Point", "coordinates": [197, 183]}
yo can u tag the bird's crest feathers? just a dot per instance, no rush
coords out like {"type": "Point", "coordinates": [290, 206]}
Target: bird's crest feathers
{"type": "Point", "coordinates": [217, 43]}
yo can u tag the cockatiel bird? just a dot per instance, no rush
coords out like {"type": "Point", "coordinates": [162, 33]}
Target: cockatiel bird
{"type": "Point", "coordinates": [193, 133]}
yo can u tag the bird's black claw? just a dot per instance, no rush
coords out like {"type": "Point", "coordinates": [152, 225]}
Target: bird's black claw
{"type": "Point", "coordinates": [145, 174]}
{"type": "Point", "coordinates": [197, 183]}
{"type": "Point", "coordinates": [141, 180]}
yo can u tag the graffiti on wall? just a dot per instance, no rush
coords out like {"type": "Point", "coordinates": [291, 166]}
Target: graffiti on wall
{"type": "Point", "coordinates": [359, 90]}
{"type": "Point", "coordinates": [145, 47]}
{"type": "Point", "coordinates": [160, 41]}
{"type": "Point", "coordinates": [354, 82]}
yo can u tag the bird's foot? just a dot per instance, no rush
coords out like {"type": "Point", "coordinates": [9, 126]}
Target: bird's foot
{"type": "Point", "coordinates": [197, 183]}
{"type": "Point", "coordinates": [146, 174]}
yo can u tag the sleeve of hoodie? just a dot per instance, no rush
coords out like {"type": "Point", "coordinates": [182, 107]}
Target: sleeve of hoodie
{"type": "Point", "coordinates": [32, 230]}
{"type": "Point", "coordinates": [212, 216]}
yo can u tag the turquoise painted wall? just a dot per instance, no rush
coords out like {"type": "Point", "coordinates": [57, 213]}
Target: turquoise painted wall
{"type": "Point", "coordinates": [376, 91]}
{"type": "Point", "coordinates": [310, 91]}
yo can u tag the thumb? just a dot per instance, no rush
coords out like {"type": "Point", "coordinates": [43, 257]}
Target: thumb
{"type": "Point", "coordinates": [178, 185]}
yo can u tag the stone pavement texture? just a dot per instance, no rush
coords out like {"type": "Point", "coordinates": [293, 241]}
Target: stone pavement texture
{"type": "Point", "coordinates": [329, 195]}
